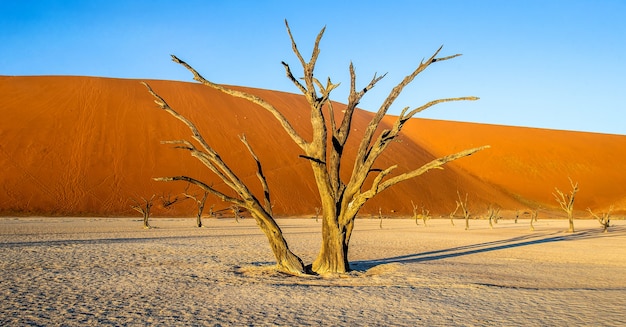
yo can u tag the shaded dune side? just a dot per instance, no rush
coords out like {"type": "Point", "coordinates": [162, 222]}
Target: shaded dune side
{"type": "Point", "coordinates": [90, 146]}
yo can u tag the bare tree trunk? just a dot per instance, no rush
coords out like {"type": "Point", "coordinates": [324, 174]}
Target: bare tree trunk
{"type": "Point", "coordinates": [492, 215]}
{"type": "Point", "coordinates": [415, 216]}
{"type": "Point", "coordinates": [533, 218]}
{"type": "Point", "coordinates": [462, 204]}
{"type": "Point", "coordinates": [201, 204]}
{"type": "Point", "coordinates": [604, 219]}
{"type": "Point", "coordinates": [286, 261]}
{"type": "Point", "coordinates": [333, 254]}
{"type": "Point", "coordinates": [566, 201]}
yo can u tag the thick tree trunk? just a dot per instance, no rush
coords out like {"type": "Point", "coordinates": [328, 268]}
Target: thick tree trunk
{"type": "Point", "coordinates": [286, 261]}
{"type": "Point", "coordinates": [333, 255]}
{"type": "Point", "coordinates": [146, 217]}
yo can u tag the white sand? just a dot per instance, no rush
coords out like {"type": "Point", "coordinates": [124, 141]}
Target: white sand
{"type": "Point", "coordinates": [87, 271]}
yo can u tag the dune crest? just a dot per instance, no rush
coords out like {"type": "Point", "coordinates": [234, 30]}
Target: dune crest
{"type": "Point", "coordinates": [89, 146]}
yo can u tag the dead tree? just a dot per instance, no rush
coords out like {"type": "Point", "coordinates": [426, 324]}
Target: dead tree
{"type": "Point", "coordinates": [566, 201]}
{"type": "Point", "coordinates": [318, 210]}
{"type": "Point", "coordinates": [200, 202]}
{"type": "Point", "coordinates": [462, 204]}
{"type": "Point", "coordinates": [212, 212]}
{"type": "Point", "coordinates": [380, 217]}
{"type": "Point", "coordinates": [604, 219]}
{"type": "Point", "coordinates": [492, 214]}
{"type": "Point", "coordinates": [144, 209]}
{"type": "Point", "coordinates": [533, 218]}
{"type": "Point", "coordinates": [236, 212]}
{"type": "Point", "coordinates": [286, 261]}
{"type": "Point", "coordinates": [424, 214]}
{"type": "Point", "coordinates": [415, 213]}
{"type": "Point", "coordinates": [454, 213]}
{"type": "Point", "coordinates": [341, 199]}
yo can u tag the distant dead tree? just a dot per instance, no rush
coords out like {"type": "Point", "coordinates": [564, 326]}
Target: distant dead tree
{"type": "Point", "coordinates": [604, 219]}
{"type": "Point", "coordinates": [341, 199]}
{"type": "Point", "coordinates": [144, 209]}
{"type": "Point", "coordinates": [212, 212]}
{"type": "Point", "coordinates": [424, 214]}
{"type": "Point", "coordinates": [533, 218]}
{"type": "Point", "coordinates": [493, 213]}
{"type": "Point", "coordinates": [516, 215]}
{"type": "Point", "coordinates": [200, 201]}
{"type": "Point", "coordinates": [566, 201]}
{"type": "Point", "coordinates": [380, 217]}
{"type": "Point", "coordinates": [462, 204]}
{"type": "Point", "coordinates": [236, 212]}
{"type": "Point", "coordinates": [454, 213]}
{"type": "Point", "coordinates": [318, 210]}
{"type": "Point", "coordinates": [415, 213]}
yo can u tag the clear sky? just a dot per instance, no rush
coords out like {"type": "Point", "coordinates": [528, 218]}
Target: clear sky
{"type": "Point", "coordinates": [547, 64]}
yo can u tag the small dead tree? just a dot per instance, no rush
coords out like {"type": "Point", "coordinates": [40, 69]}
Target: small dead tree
{"type": "Point", "coordinates": [604, 219]}
{"type": "Point", "coordinates": [200, 201]}
{"type": "Point", "coordinates": [317, 213]}
{"type": "Point", "coordinates": [424, 214]}
{"type": "Point", "coordinates": [462, 204]}
{"type": "Point", "coordinates": [493, 214]}
{"type": "Point", "coordinates": [566, 201]}
{"type": "Point", "coordinates": [415, 215]}
{"type": "Point", "coordinates": [380, 217]}
{"type": "Point", "coordinates": [454, 213]}
{"type": "Point", "coordinates": [212, 212]}
{"type": "Point", "coordinates": [533, 218]}
{"type": "Point", "coordinates": [341, 199]}
{"type": "Point", "coordinates": [236, 212]}
{"type": "Point", "coordinates": [144, 209]}
{"type": "Point", "coordinates": [516, 215]}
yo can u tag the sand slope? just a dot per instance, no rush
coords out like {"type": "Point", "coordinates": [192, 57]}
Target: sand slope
{"type": "Point", "coordinates": [89, 146]}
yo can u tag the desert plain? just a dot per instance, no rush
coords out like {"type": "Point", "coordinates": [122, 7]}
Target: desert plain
{"type": "Point", "coordinates": [68, 271]}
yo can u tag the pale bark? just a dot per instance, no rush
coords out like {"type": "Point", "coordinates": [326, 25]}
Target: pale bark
{"type": "Point", "coordinates": [340, 200]}
{"type": "Point", "coordinates": [286, 260]}
{"type": "Point", "coordinates": [462, 204]}
{"type": "Point", "coordinates": [604, 219]}
{"type": "Point", "coordinates": [566, 201]}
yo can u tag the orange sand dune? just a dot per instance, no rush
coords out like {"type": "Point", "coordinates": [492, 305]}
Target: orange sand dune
{"type": "Point", "coordinates": [91, 146]}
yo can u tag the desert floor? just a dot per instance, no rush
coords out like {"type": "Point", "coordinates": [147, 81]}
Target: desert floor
{"type": "Point", "coordinates": [110, 271]}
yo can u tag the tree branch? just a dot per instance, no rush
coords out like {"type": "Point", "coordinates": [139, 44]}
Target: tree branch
{"type": "Point", "coordinates": [393, 95]}
{"type": "Point", "coordinates": [435, 164]}
{"type": "Point", "coordinates": [204, 186]}
{"type": "Point", "coordinates": [252, 98]}
{"type": "Point", "coordinates": [260, 175]}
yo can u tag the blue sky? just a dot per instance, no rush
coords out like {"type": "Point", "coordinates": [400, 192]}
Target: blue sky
{"type": "Point", "coordinates": [547, 64]}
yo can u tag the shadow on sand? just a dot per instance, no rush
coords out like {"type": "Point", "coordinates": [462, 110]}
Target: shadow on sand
{"type": "Point", "coordinates": [531, 239]}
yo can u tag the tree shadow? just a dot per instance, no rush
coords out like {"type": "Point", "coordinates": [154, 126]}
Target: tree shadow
{"type": "Point", "coordinates": [525, 240]}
